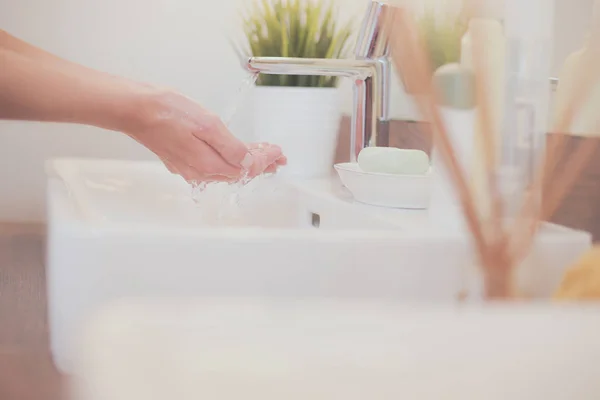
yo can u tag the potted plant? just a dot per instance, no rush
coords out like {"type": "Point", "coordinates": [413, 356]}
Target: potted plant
{"type": "Point", "coordinates": [299, 113]}
{"type": "Point", "coordinates": [442, 36]}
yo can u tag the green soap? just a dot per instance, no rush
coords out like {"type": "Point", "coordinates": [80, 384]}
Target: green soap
{"type": "Point", "coordinates": [391, 160]}
{"type": "Point", "coordinates": [456, 86]}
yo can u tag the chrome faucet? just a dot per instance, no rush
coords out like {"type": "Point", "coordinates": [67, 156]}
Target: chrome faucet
{"type": "Point", "coordinates": [370, 70]}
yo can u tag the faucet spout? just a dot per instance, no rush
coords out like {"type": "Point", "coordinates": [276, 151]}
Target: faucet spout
{"type": "Point", "coordinates": [369, 70]}
{"type": "Point", "coordinates": [365, 74]}
{"type": "Point", "coordinates": [356, 69]}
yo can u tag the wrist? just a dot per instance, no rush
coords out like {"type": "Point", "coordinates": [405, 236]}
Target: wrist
{"type": "Point", "coordinates": [129, 111]}
{"type": "Point", "coordinates": [144, 105]}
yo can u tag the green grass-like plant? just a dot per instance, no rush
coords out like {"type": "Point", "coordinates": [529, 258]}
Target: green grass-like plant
{"type": "Point", "coordinates": [442, 36]}
{"type": "Point", "coordinates": [295, 28]}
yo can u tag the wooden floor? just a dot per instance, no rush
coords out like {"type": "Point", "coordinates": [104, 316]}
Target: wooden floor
{"type": "Point", "coordinates": [26, 370]}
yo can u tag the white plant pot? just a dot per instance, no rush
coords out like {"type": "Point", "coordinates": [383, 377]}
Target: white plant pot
{"type": "Point", "coordinates": [304, 122]}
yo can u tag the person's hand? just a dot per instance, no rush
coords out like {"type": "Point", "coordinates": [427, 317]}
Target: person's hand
{"type": "Point", "coordinates": [38, 86]}
{"type": "Point", "coordinates": [263, 155]}
{"type": "Point", "coordinates": [195, 144]}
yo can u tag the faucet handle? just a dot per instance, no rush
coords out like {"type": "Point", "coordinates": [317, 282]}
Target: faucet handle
{"type": "Point", "coordinates": [373, 40]}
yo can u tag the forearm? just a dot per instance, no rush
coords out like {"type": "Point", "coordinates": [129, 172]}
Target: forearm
{"type": "Point", "coordinates": [9, 42]}
{"type": "Point", "coordinates": [16, 45]}
{"type": "Point", "coordinates": [36, 90]}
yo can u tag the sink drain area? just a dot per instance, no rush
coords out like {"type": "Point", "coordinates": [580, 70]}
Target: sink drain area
{"type": "Point", "coordinates": [315, 220]}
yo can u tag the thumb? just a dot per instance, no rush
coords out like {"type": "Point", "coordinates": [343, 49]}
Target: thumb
{"type": "Point", "coordinates": [230, 148]}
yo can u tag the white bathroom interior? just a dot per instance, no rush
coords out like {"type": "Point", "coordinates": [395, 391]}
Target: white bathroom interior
{"type": "Point", "coordinates": [171, 43]}
{"type": "Point", "coordinates": [285, 287]}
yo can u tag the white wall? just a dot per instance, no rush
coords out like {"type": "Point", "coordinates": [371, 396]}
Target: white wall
{"type": "Point", "coordinates": [179, 43]}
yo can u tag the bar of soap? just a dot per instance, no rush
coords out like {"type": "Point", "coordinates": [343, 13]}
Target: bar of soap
{"type": "Point", "coordinates": [391, 160]}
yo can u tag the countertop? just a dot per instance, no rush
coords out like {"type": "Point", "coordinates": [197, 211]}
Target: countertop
{"type": "Point", "coordinates": [579, 209]}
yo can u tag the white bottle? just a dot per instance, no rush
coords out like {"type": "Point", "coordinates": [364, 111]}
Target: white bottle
{"type": "Point", "coordinates": [491, 61]}
{"type": "Point", "coordinates": [529, 32]}
{"type": "Point", "coordinates": [456, 88]}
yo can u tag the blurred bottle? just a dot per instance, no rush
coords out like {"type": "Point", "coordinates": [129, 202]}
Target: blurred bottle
{"type": "Point", "coordinates": [456, 86]}
{"type": "Point", "coordinates": [529, 36]}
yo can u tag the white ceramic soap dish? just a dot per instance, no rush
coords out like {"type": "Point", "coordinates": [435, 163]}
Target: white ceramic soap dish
{"type": "Point", "coordinates": [386, 190]}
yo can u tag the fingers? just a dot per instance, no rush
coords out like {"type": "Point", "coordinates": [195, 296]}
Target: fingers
{"type": "Point", "coordinates": [265, 158]}
{"type": "Point", "coordinates": [199, 162]}
{"type": "Point", "coordinates": [193, 176]}
{"type": "Point", "coordinates": [232, 150]}
{"type": "Point", "coordinates": [281, 161]}
{"type": "Point", "coordinates": [271, 169]}
{"type": "Point", "coordinates": [172, 169]}
{"type": "Point", "coordinates": [197, 145]}
{"type": "Point", "coordinates": [212, 131]}
{"type": "Point", "coordinates": [185, 172]}
{"type": "Point", "coordinates": [190, 175]}
{"type": "Point", "coordinates": [209, 164]}
{"type": "Point", "coordinates": [196, 161]}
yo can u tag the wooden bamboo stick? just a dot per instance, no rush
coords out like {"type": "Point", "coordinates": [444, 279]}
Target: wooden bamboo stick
{"type": "Point", "coordinates": [418, 73]}
{"type": "Point", "coordinates": [498, 249]}
{"type": "Point", "coordinates": [555, 185]}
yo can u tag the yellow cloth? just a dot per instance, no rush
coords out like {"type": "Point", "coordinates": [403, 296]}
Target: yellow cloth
{"type": "Point", "coordinates": [582, 280]}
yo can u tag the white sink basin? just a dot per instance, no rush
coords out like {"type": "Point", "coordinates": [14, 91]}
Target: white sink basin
{"type": "Point", "coordinates": [121, 229]}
